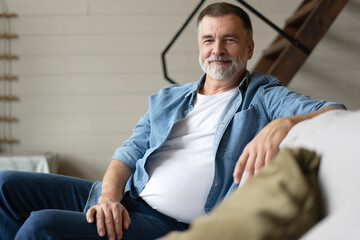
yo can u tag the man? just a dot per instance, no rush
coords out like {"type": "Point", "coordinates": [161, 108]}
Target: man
{"type": "Point", "coordinates": [185, 155]}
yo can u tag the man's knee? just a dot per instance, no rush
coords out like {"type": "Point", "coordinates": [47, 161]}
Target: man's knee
{"type": "Point", "coordinates": [12, 181]}
{"type": "Point", "coordinates": [6, 175]}
{"type": "Point", "coordinates": [11, 177]}
{"type": "Point", "coordinates": [40, 225]}
{"type": "Point", "coordinates": [7, 180]}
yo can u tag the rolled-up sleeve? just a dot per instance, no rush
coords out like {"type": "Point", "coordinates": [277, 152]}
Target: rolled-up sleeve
{"type": "Point", "coordinates": [135, 147]}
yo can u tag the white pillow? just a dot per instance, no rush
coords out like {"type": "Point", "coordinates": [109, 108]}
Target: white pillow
{"type": "Point", "coordinates": [335, 136]}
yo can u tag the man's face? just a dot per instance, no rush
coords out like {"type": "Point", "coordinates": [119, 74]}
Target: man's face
{"type": "Point", "coordinates": [223, 45]}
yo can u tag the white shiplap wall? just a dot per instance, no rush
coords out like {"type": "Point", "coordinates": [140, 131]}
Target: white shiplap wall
{"type": "Point", "coordinates": [86, 68]}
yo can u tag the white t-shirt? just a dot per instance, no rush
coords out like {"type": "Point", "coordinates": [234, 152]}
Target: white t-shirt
{"type": "Point", "coordinates": [182, 170]}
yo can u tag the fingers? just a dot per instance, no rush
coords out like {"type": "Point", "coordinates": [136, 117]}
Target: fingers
{"type": "Point", "coordinates": [239, 168]}
{"type": "Point", "coordinates": [109, 224]}
{"type": "Point", "coordinates": [259, 162]}
{"type": "Point", "coordinates": [249, 169]}
{"type": "Point", "coordinates": [90, 215]}
{"type": "Point", "coordinates": [111, 218]}
{"type": "Point", "coordinates": [100, 219]}
{"type": "Point", "coordinates": [252, 160]}
{"type": "Point", "coordinates": [270, 155]}
{"type": "Point", "coordinates": [100, 222]}
{"type": "Point", "coordinates": [262, 149]}
{"type": "Point", "coordinates": [126, 219]}
{"type": "Point", "coordinates": [118, 222]}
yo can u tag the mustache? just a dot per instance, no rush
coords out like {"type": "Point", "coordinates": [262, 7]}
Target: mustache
{"type": "Point", "coordinates": [219, 58]}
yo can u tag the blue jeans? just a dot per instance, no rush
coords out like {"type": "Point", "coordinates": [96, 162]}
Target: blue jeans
{"type": "Point", "coordinates": [47, 206]}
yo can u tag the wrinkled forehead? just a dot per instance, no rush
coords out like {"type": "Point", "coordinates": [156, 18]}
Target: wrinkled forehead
{"type": "Point", "coordinates": [224, 25]}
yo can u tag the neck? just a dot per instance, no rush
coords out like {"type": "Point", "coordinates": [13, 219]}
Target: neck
{"type": "Point", "coordinates": [212, 86]}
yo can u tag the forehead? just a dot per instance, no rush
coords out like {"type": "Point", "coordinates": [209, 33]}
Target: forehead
{"type": "Point", "coordinates": [227, 24]}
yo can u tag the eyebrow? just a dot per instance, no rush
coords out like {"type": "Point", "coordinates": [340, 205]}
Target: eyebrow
{"type": "Point", "coordinates": [232, 35]}
{"type": "Point", "coordinates": [206, 36]}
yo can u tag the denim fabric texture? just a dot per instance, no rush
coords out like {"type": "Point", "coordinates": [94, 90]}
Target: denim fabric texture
{"type": "Point", "coordinates": [37, 206]}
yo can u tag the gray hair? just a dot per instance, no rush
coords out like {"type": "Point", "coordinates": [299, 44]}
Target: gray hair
{"type": "Point", "coordinates": [222, 9]}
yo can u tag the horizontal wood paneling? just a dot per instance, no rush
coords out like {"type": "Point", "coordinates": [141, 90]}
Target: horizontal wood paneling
{"type": "Point", "coordinates": [91, 44]}
{"type": "Point", "coordinates": [48, 7]}
{"type": "Point", "coordinates": [57, 64]}
{"type": "Point", "coordinates": [83, 84]}
{"type": "Point", "coordinates": [74, 104]}
{"type": "Point", "coordinates": [98, 24]}
{"type": "Point", "coordinates": [72, 143]}
{"type": "Point", "coordinates": [81, 123]}
{"type": "Point", "coordinates": [140, 7]}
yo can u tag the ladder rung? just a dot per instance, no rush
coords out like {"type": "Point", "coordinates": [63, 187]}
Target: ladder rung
{"type": "Point", "coordinates": [7, 140]}
{"type": "Point", "coordinates": [7, 14]}
{"type": "Point", "coordinates": [8, 56]}
{"type": "Point", "coordinates": [301, 13]}
{"type": "Point", "coordinates": [8, 77]}
{"type": "Point", "coordinates": [8, 98]}
{"type": "Point", "coordinates": [8, 35]}
{"type": "Point", "coordinates": [7, 119]}
{"type": "Point", "coordinates": [276, 48]}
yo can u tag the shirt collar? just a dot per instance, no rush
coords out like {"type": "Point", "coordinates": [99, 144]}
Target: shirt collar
{"type": "Point", "coordinates": [196, 86]}
{"type": "Point", "coordinates": [243, 84]}
{"type": "Point", "coordinates": [245, 81]}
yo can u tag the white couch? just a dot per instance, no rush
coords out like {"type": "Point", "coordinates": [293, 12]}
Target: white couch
{"type": "Point", "coordinates": [335, 136]}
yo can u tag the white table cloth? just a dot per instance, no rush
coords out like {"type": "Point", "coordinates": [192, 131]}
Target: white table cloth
{"type": "Point", "coordinates": [34, 162]}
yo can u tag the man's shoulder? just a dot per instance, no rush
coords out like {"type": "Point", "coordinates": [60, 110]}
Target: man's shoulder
{"type": "Point", "coordinates": [262, 79]}
{"type": "Point", "coordinates": [177, 89]}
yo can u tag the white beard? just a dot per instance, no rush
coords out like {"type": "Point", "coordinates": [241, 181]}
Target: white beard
{"type": "Point", "coordinates": [219, 72]}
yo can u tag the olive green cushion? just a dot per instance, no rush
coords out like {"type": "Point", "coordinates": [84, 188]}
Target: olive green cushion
{"type": "Point", "coordinates": [281, 202]}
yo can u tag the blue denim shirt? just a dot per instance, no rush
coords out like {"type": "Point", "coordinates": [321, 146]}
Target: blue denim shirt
{"type": "Point", "coordinates": [260, 99]}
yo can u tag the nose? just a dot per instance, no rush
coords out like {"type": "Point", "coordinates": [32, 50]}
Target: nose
{"type": "Point", "coordinates": [218, 48]}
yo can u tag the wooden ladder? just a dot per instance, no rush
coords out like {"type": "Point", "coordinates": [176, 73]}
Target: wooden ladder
{"type": "Point", "coordinates": [306, 26]}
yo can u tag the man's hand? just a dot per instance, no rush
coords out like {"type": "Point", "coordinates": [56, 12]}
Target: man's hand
{"type": "Point", "coordinates": [262, 149]}
{"type": "Point", "coordinates": [111, 218]}
{"type": "Point", "coordinates": [110, 215]}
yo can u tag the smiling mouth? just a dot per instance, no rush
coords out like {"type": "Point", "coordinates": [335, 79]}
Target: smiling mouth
{"type": "Point", "coordinates": [220, 62]}
{"type": "Point", "coordinates": [220, 59]}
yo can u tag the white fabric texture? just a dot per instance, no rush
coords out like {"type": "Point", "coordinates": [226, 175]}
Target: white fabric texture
{"type": "Point", "coordinates": [182, 170]}
{"type": "Point", "coordinates": [335, 136]}
{"type": "Point", "coordinates": [42, 162]}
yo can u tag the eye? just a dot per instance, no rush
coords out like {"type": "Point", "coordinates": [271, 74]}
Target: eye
{"type": "Point", "coordinates": [207, 41]}
{"type": "Point", "coordinates": [230, 40]}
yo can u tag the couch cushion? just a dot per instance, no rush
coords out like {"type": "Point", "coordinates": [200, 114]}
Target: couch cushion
{"type": "Point", "coordinates": [335, 136]}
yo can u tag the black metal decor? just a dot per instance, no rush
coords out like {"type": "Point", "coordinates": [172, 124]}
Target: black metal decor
{"type": "Point", "coordinates": [174, 39]}
{"type": "Point", "coordinates": [250, 8]}
{"type": "Point", "coordinates": [276, 28]}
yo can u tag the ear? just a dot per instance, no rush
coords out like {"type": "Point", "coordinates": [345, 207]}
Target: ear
{"type": "Point", "coordinates": [250, 47]}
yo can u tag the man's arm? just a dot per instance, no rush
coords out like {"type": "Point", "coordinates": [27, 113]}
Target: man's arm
{"type": "Point", "coordinates": [111, 215]}
{"type": "Point", "coordinates": [263, 148]}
